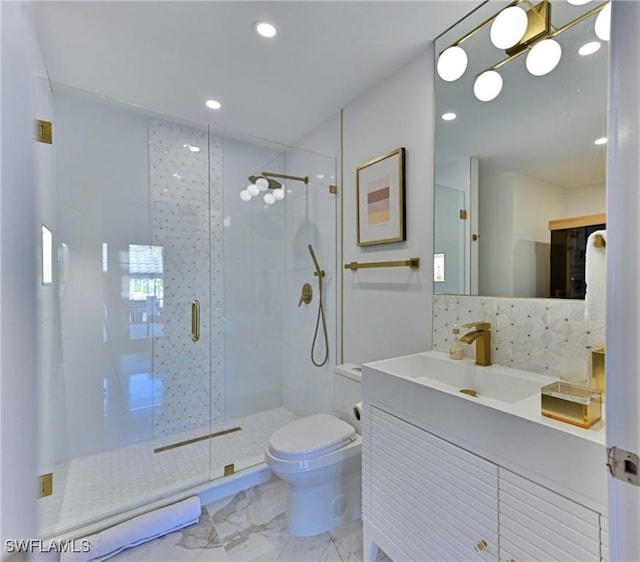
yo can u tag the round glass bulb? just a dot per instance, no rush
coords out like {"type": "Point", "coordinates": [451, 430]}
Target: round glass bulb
{"type": "Point", "coordinates": [601, 140]}
{"type": "Point", "coordinates": [488, 85]}
{"type": "Point", "coordinates": [265, 29]}
{"type": "Point", "coordinates": [245, 195]}
{"type": "Point", "coordinates": [269, 198]}
{"type": "Point", "coordinates": [589, 48]}
{"type": "Point", "coordinates": [603, 23]}
{"type": "Point", "coordinates": [252, 188]}
{"type": "Point", "coordinates": [213, 104]}
{"type": "Point", "coordinates": [578, 2]}
{"type": "Point", "coordinates": [278, 194]}
{"type": "Point", "coordinates": [509, 27]}
{"type": "Point", "coordinates": [452, 63]}
{"type": "Point", "coordinates": [544, 57]}
{"type": "Point", "coordinates": [262, 183]}
{"type": "Point", "coordinates": [449, 116]}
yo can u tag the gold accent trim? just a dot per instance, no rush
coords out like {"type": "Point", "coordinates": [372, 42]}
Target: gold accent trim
{"type": "Point", "coordinates": [45, 485]}
{"type": "Point", "coordinates": [304, 179]}
{"type": "Point", "coordinates": [196, 439]}
{"type": "Point", "coordinates": [341, 197]}
{"type": "Point", "coordinates": [469, 392]}
{"type": "Point", "coordinates": [575, 222]}
{"type": "Point", "coordinates": [44, 131]}
{"type": "Point", "coordinates": [333, 189]}
{"type": "Point", "coordinates": [229, 469]}
{"type": "Point", "coordinates": [413, 263]}
{"type": "Point", "coordinates": [475, 237]}
{"type": "Point", "coordinates": [195, 320]}
{"type": "Point", "coordinates": [463, 214]}
{"type": "Point", "coordinates": [599, 241]}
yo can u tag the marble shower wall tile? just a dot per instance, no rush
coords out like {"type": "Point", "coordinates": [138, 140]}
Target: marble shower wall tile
{"type": "Point", "coordinates": [185, 185]}
{"type": "Point", "coordinates": [547, 336]}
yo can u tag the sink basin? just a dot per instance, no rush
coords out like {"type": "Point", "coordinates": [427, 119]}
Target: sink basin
{"type": "Point", "coordinates": [439, 371]}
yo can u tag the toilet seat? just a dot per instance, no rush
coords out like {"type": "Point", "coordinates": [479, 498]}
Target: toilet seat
{"type": "Point", "coordinates": [310, 437]}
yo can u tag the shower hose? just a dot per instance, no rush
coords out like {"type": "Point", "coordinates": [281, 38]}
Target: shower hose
{"type": "Point", "coordinates": [321, 318]}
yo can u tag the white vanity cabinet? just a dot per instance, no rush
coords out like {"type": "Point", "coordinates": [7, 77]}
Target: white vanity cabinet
{"type": "Point", "coordinates": [433, 499]}
{"type": "Point", "coordinates": [426, 499]}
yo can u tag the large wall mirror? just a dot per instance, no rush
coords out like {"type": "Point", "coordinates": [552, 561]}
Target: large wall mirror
{"type": "Point", "coordinates": [507, 168]}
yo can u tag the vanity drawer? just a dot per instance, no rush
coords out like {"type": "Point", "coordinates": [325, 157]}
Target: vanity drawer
{"type": "Point", "coordinates": [538, 524]}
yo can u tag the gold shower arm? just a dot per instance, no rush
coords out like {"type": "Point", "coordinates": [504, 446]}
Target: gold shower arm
{"type": "Point", "coordinates": [304, 179]}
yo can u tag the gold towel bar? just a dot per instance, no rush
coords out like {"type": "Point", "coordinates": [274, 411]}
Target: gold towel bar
{"type": "Point", "coordinates": [413, 263]}
{"type": "Point", "coordinates": [599, 241]}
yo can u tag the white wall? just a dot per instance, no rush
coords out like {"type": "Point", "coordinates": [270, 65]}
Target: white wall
{"type": "Point", "coordinates": [495, 246]}
{"type": "Point", "coordinates": [588, 200]}
{"type": "Point", "coordinates": [388, 312]}
{"type": "Point", "coordinates": [21, 61]}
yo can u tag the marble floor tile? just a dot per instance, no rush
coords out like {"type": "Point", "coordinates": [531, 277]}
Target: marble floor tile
{"type": "Point", "coordinates": [250, 527]}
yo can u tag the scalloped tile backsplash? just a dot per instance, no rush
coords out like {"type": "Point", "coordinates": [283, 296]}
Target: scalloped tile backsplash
{"type": "Point", "coordinates": [547, 336]}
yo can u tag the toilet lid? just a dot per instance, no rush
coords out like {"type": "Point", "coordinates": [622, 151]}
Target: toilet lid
{"type": "Point", "coordinates": [310, 437]}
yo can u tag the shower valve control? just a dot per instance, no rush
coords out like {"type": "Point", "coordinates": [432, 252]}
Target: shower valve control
{"type": "Point", "coordinates": [307, 294]}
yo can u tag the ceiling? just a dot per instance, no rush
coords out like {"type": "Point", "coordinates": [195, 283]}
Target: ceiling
{"type": "Point", "coordinates": [170, 57]}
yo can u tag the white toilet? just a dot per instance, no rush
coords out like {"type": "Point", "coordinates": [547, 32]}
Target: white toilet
{"type": "Point", "coordinates": [319, 457]}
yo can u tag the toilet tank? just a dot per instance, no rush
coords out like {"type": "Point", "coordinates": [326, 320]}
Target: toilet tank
{"type": "Point", "coordinates": [347, 391]}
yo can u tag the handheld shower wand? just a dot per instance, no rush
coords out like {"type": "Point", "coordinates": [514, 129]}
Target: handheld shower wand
{"type": "Point", "coordinates": [319, 273]}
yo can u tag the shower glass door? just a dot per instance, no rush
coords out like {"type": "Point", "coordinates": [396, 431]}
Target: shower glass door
{"type": "Point", "coordinates": [129, 216]}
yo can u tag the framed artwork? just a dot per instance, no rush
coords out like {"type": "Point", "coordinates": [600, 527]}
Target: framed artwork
{"type": "Point", "coordinates": [380, 192]}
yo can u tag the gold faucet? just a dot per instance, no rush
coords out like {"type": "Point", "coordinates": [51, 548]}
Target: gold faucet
{"type": "Point", "coordinates": [482, 336]}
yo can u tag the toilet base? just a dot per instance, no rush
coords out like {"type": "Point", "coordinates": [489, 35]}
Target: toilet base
{"type": "Point", "coordinates": [312, 510]}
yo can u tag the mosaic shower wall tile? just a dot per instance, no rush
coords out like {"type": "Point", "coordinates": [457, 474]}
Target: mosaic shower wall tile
{"type": "Point", "coordinates": [547, 336]}
{"type": "Point", "coordinates": [186, 222]}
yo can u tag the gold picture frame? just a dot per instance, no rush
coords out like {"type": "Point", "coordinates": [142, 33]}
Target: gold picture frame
{"type": "Point", "coordinates": [380, 198]}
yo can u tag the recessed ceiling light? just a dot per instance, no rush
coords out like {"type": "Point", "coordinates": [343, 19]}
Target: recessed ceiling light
{"type": "Point", "coordinates": [602, 140]}
{"type": "Point", "coordinates": [589, 48]}
{"type": "Point", "coordinates": [449, 116]}
{"type": "Point", "coordinates": [265, 29]}
{"type": "Point", "coordinates": [213, 104]}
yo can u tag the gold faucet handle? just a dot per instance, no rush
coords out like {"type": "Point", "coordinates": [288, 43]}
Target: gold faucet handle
{"type": "Point", "coordinates": [485, 326]}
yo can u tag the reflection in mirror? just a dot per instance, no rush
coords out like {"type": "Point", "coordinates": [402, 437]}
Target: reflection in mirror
{"type": "Point", "coordinates": [531, 154]}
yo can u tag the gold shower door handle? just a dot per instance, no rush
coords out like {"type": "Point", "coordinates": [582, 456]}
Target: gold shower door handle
{"type": "Point", "coordinates": [195, 320]}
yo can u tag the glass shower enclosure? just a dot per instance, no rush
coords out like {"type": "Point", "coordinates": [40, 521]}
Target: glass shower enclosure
{"type": "Point", "coordinates": [168, 316]}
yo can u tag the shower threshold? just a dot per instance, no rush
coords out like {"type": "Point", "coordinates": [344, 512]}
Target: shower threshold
{"type": "Point", "coordinates": [89, 490]}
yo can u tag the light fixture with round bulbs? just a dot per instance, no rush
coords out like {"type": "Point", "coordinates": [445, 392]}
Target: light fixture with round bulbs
{"type": "Point", "coordinates": [487, 85]}
{"type": "Point", "coordinates": [544, 57]}
{"type": "Point", "coordinates": [452, 63]}
{"type": "Point", "coordinates": [265, 29]}
{"type": "Point", "coordinates": [213, 104]}
{"type": "Point", "coordinates": [509, 27]}
{"type": "Point", "coordinates": [521, 31]}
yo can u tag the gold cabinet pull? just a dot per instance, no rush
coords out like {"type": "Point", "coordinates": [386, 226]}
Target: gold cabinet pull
{"type": "Point", "coordinates": [481, 545]}
{"type": "Point", "coordinates": [195, 320]}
